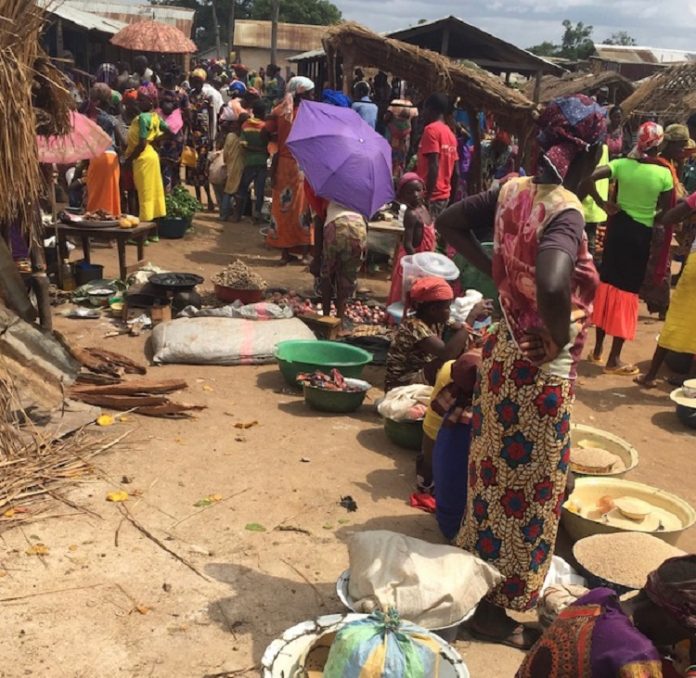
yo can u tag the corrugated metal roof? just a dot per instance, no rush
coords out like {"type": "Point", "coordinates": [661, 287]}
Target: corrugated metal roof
{"type": "Point", "coordinates": [82, 17]}
{"type": "Point", "coordinates": [248, 33]}
{"type": "Point", "coordinates": [643, 55]}
{"type": "Point", "coordinates": [127, 13]}
{"type": "Point", "coordinates": [312, 54]}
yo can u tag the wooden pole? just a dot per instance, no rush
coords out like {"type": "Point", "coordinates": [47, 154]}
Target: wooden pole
{"type": "Point", "coordinates": [216, 27]}
{"type": "Point", "coordinates": [537, 86]}
{"type": "Point", "coordinates": [230, 28]}
{"type": "Point", "coordinates": [475, 169]}
{"type": "Point", "coordinates": [275, 11]}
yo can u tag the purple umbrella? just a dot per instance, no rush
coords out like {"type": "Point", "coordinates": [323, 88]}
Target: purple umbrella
{"type": "Point", "coordinates": [342, 157]}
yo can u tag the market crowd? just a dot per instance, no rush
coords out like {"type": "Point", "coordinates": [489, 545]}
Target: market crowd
{"type": "Point", "coordinates": [580, 231]}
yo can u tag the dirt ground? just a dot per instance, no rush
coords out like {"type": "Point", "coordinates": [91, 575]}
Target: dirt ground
{"type": "Point", "coordinates": [106, 600]}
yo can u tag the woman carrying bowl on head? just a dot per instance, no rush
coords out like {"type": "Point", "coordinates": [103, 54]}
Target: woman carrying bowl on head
{"type": "Point", "coordinates": [546, 280]}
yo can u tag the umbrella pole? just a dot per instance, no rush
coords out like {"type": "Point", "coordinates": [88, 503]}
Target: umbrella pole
{"type": "Point", "coordinates": [54, 221]}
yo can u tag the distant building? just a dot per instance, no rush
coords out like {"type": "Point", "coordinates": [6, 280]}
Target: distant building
{"type": "Point", "coordinates": [252, 42]}
{"type": "Point", "coordinates": [634, 62]}
{"type": "Point", "coordinates": [85, 28]}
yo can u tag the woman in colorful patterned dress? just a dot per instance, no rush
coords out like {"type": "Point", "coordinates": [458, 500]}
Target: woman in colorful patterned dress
{"type": "Point", "coordinates": [521, 416]}
{"type": "Point", "coordinates": [291, 229]}
{"type": "Point", "coordinates": [602, 637]}
{"type": "Point", "coordinates": [173, 104]}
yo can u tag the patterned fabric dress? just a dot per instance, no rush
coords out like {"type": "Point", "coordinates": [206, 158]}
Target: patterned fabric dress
{"type": "Point", "coordinates": [171, 146]}
{"type": "Point", "coordinates": [200, 107]}
{"type": "Point", "coordinates": [521, 414]}
{"type": "Point", "coordinates": [593, 637]}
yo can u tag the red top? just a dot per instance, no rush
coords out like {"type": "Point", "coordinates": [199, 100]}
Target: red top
{"type": "Point", "coordinates": [438, 138]}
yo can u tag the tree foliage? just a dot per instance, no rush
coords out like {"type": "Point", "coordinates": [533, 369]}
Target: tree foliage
{"type": "Point", "coordinates": [620, 38]}
{"type": "Point", "coordinates": [315, 12]}
{"type": "Point", "coordinates": [576, 42]}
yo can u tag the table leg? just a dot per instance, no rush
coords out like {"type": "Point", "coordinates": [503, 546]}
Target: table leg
{"type": "Point", "coordinates": [85, 248]}
{"type": "Point", "coordinates": [141, 246]}
{"type": "Point", "coordinates": [121, 244]}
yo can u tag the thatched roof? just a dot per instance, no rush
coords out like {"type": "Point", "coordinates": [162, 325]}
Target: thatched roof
{"type": "Point", "coordinates": [430, 72]}
{"type": "Point", "coordinates": [581, 83]}
{"type": "Point", "coordinates": [670, 94]}
{"type": "Point", "coordinates": [24, 78]}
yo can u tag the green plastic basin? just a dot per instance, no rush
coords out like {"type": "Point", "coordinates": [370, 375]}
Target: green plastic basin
{"type": "Point", "coordinates": [296, 355]}
{"type": "Point", "coordinates": [406, 434]}
{"type": "Point", "coordinates": [340, 402]}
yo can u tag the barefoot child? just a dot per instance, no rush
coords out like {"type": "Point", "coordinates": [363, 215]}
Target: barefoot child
{"type": "Point", "coordinates": [419, 230]}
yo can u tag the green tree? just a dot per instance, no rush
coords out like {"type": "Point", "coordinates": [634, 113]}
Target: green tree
{"type": "Point", "coordinates": [620, 38]}
{"type": "Point", "coordinates": [576, 42]}
{"type": "Point", "coordinates": [316, 12]}
{"type": "Point", "coordinates": [544, 49]}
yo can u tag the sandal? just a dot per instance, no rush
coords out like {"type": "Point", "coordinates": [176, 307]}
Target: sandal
{"type": "Point", "coordinates": [623, 371]}
{"type": "Point", "coordinates": [521, 638]}
{"type": "Point", "coordinates": [595, 361]}
{"type": "Point", "coordinates": [642, 381]}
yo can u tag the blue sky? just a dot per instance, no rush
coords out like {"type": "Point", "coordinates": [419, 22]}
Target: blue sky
{"type": "Point", "coordinates": [665, 23]}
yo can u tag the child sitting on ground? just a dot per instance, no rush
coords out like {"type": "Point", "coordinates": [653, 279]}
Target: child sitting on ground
{"type": "Point", "coordinates": [419, 229]}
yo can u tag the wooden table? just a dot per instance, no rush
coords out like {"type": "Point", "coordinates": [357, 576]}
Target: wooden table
{"type": "Point", "coordinates": [121, 235]}
{"type": "Point", "coordinates": [392, 227]}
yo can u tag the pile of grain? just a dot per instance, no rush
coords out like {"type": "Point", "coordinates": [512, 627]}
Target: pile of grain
{"type": "Point", "coordinates": [238, 276]}
{"type": "Point", "coordinates": [625, 558]}
{"type": "Point", "coordinates": [592, 460]}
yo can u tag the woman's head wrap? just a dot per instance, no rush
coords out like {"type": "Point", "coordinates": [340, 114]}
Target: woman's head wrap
{"type": "Point", "coordinates": [650, 135]}
{"type": "Point", "coordinates": [238, 86]}
{"type": "Point", "coordinates": [570, 125]}
{"type": "Point", "coordinates": [150, 91]}
{"type": "Point", "coordinates": [672, 587]}
{"type": "Point", "coordinates": [107, 73]}
{"type": "Point", "coordinates": [299, 85]}
{"type": "Point", "coordinates": [407, 179]}
{"type": "Point", "coordinates": [199, 73]}
{"type": "Point", "coordinates": [130, 95]}
{"type": "Point", "coordinates": [335, 98]}
{"type": "Point", "coordinates": [677, 133]}
{"type": "Point", "coordinates": [430, 289]}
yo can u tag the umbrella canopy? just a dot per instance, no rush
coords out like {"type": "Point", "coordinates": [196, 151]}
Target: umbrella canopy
{"type": "Point", "coordinates": [342, 157]}
{"type": "Point", "coordinates": [84, 141]}
{"type": "Point", "coordinates": [153, 36]}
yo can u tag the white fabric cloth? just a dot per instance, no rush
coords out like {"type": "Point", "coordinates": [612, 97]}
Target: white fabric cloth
{"type": "Point", "coordinates": [433, 585]}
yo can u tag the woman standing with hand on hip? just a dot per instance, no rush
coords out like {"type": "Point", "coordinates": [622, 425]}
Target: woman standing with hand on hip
{"type": "Point", "coordinates": [546, 279]}
{"type": "Point", "coordinates": [645, 188]}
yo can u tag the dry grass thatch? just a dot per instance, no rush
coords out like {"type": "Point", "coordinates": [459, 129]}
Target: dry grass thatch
{"type": "Point", "coordinates": [33, 468]}
{"type": "Point", "coordinates": [670, 94]}
{"type": "Point", "coordinates": [430, 72]}
{"type": "Point", "coordinates": [581, 83]}
{"type": "Point", "coordinates": [22, 74]}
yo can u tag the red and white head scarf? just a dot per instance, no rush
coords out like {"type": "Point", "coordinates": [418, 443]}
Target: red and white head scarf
{"type": "Point", "coordinates": [650, 135]}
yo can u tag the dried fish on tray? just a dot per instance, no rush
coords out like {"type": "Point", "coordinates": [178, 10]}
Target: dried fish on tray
{"type": "Point", "coordinates": [327, 382]}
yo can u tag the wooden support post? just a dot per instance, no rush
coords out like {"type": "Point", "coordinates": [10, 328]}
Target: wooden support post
{"type": "Point", "coordinates": [40, 284]}
{"type": "Point", "coordinates": [230, 30]}
{"type": "Point", "coordinates": [537, 86]}
{"type": "Point", "coordinates": [12, 289]}
{"type": "Point", "coordinates": [444, 45]}
{"type": "Point", "coordinates": [275, 11]}
{"type": "Point", "coordinates": [348, 72]}
{"type": "Point", "coordinates": [475, 170]}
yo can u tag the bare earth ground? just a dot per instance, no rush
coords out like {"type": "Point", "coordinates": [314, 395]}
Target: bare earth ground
{"type": "Point", "coordinates": [91, 608]}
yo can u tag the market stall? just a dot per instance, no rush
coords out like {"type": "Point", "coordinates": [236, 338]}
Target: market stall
{"type": "Point", "coordinates": [428, 71]}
